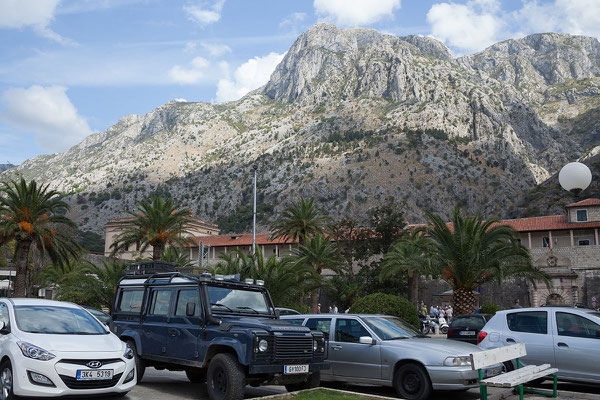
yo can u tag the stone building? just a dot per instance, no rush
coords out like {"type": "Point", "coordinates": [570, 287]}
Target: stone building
{"type": "Point", "coordinates": [195, 227]}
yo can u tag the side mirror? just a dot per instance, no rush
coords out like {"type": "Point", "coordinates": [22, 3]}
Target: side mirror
{"type": "Point", "coordinates": [366, 340]}
{"type": "Point", "coordinates": [277, 313]}
{"type": "Point", "coordinates": [190, 309]}
{"type": "Point", "coordinates": [3, 328]}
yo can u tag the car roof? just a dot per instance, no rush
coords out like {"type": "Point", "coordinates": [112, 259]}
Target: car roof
{"type": "Point", "coordinates": [564, 308]}
{"type": "Point", "coordinates": [471, 315]}
{"type": "Point", "coordinates": [41, 302]}
{"type": "Point", "coordinates": [325, 315]}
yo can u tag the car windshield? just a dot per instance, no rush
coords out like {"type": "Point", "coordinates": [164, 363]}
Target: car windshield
{"type": "Point", "coordinates": [55, 320]}
{"type": "Point", "coordinates": [467, 322]}
{"type": "Point", "coordinates": [391, 328]}
{"type": "Point", "coordinates": [226, 299]}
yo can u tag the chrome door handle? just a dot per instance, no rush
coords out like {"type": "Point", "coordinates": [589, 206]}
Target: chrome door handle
{"type": "Point", "coordinates": [562, 344]}
{"type": "Point", "coordinates": [336, 347]}
{"type": "Point", "coordinates": [510, 340]}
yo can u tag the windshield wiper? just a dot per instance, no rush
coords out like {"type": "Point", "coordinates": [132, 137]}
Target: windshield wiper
{"type": "Point", "coordinates": [399, 337]}
{"type": "Point", "coordinates": [248, 308]}
{"type": "Point", "coordinates": [221, 305]}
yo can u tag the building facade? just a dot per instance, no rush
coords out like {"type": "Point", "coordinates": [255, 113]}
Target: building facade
{"type": "Point", "coordinates": [196, 228]}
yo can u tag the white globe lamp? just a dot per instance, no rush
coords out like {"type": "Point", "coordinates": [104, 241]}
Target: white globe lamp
{"type": "Point", "coordinates": [575, 177]}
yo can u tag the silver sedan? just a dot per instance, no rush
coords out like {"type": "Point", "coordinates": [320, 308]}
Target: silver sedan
{"type": "Point", "coordinates": [385, 350]}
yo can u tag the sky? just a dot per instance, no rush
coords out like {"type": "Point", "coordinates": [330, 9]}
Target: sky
{"type": "Point", "coordinates": [69, 68]}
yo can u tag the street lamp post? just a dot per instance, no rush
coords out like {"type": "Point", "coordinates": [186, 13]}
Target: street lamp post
{"type": "Point", "coordinates": [254, 215]}
{"type": "Point", "coordinates": [575, 177]}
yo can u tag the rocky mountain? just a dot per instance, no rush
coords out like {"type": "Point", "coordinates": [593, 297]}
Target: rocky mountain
{"type": "Point", "coordinates": [349, 117]}
{"type": "Point", "coordinates": [4, 167]}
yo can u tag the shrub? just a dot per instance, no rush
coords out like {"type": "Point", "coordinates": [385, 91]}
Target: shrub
{"type": "Point", "coordinates": [381, 303]}
{"type": "Point", "coordinates": [489, 308]}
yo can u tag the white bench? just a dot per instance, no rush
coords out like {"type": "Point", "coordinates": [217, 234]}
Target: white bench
{"type": "Point", "coordinates": [515, 378]}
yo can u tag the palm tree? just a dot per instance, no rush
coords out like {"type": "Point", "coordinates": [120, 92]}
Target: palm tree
{"type": "Point", "coordinates": [178, 257]}
{"type": "Point", "coordinates": [317, 253]}
{"type": "Point", "coordinates": [299, 221]}
{"type": "Point", "coordinates": [408, 255]}
{"type": "Point", "coordinates": [108, 276]}
{"type": "Point", "coordinates": [473, 252]}
{"type": "Point", "coordinates": [158, 223]}
{"type": "Point", "coordinates": [33, 215]}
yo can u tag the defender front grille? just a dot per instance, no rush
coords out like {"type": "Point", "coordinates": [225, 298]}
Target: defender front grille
{"type": "Point", "coordinates": [293, 347]}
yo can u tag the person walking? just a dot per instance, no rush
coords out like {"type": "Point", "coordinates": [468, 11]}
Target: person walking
{"type": "Point", "coordinates": [335, 309]}
{"type": "Point", "coordinates": [517, 304]}
{"type": "Point", "coordinates": [449, 314]}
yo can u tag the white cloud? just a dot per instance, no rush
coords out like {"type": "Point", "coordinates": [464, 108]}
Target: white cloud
{"type": "Point", "coordinates": [205, 13]}
{"type": "Point", "coordinates": [180, 100]}
{"type": "Point", "coordinates": [189, 75]}
{"type": "Point", "coordinates": [293, 20]}
{"type": "Point", "coordinates": [355, 12]}
{"type": "Point", "coordinates": [471, 26]}
{"type": "Point", "coordinates": [250, 75]}
{"type": "Point", "coordinates": [47, 112]}
{"type": "Point", "coordinates": [36, 14]}
{"type": "Point", "coordinates": [212, 49]}
{"type": "Point", "coordinates": [477, 24]}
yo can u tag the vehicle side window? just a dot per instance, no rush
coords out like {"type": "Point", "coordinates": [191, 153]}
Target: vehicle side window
{"type": "Point", "coordinates": [4, 314]}
{"type": "Point", "coordinates": [574, 325]}
{"type": "Point", "coordinates": [528, 321]}
{"type": "Point", "coordinates": [295, 321]}
{"type": "Point", "coordinates": [160, 301]}
{"type": "Point", "coordinates": [349, 330]}
{"type": "Point", "coordinates": [131, 301]}
{"type": "Point", "coordinates": [319, 324]}
{"type": "Point", "coordinates": [470, 322]}
{"type": "Point", "coordinates": [183, 298]}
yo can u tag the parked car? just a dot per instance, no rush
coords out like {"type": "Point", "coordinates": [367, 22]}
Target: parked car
{"type": "Point", "coordinates": [217, 329]}
{"type": "Point", "coordinates": [387, 351]}
{"type": "Point", "coordinates": [286, 311]}
{"type": "Point", "coordinates": [100, 315]}
{"type": "Point", "coordinates": [52, 348]}
{"type": "Point", "coordinates": [564, 337]}
{"type": "Point", "coordinates": [465, 328]}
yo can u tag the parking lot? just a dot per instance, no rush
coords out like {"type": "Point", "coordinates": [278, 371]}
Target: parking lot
{"type": "Point", "coordinates": [167, 385]}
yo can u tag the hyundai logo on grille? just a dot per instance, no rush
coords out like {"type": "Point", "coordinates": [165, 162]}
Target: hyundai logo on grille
{"type": "Point", "coordinates": [94, 364]}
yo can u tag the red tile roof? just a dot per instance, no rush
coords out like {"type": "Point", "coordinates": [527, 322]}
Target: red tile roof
{"type": "Point", "coordinates": [236, 240]}
{"type": "Point", "coordinates": [586, 202]}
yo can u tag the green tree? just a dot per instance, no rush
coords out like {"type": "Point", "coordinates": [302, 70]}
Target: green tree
{"type": "Point", "coordinates": [157, 223]}
{"type": "Point", "coordinates": [177, 256]}
{"type": "Point", "coordinates": [107, 277]}
{"type": "Point", "coordinates": [317, 253]}
{"type": "Point", "coordinates": [32, 214]}
{"type": "Point", "coordinates": [299, 221]}
{"type": "Point", "coordinates": [474, 251]}
{"type": "Point", "coordinates": [408, 256]}
{"type": "Point", "coordinates": [387, 224]}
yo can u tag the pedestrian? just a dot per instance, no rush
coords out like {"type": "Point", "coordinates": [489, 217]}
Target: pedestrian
{"type": "Point", "coordinates": [441, 312]}
{"type": "Point", "coordinates": [319, 308]}
{"type": "Point", "coordinates": [433, 311]}
{"type": "Point", "coordinates": [517, 304]}
{"type": "Point", "coordinates": [449, 314]}
{"type": "Point", "coordinates": [330, 310]}
{"type": "Point", "coordinates": [335, 309]}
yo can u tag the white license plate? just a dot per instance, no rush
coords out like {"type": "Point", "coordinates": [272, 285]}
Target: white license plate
{"type": "Point", "coordinates": [295, 369]}
{"type": "Point", "coordinates": [466, 333]}
{"type": "Point", "coordinates": [94, 374]}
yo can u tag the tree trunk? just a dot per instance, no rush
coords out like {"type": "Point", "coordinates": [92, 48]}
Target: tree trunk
{"type": "Point", "coordinates": [157, 252]}
{"type": "Point", "coordinates": [21, 257]}
{"type": "Point", "coordinates": [463, 301]}
{"type": "Point", "coordinates": [413, 288]}
{"type": "Point", "coordinates": [314, 300]}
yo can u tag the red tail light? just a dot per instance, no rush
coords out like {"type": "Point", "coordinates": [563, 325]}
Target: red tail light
{"type": "Point", "coordinates": [481, 336]}
{"type": "Point", "coordinates": [450, 332]}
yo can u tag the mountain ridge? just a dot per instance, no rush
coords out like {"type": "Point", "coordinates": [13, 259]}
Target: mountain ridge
{"type": "Point", "coordinates": [349, 117]}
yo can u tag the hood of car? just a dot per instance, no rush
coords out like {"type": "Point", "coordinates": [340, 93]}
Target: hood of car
{"type": "Point", "coordinates": [444, 347]}
{"type": "Point", "coordinates": [268, 324]}
{"type": "Point", "coordinates": [73, 343]}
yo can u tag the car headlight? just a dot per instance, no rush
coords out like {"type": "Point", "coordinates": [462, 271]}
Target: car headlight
{"type": "Point", "coordinates": [457, 361]}
{"type": "Point", "coordinates": [315, 345]}
{"type": "Point", "coordinates": [263, 345]}
{"type": "Point", "coordinates": [128, 352]}
{"type": "Point", "coordinates": [37, 353]}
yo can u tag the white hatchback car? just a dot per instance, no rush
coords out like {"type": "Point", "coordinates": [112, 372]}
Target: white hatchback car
{"type": "Point", "coordinates": [51, 348]}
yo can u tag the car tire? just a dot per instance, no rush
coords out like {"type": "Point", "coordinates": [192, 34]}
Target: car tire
{"type": "Point", "coordinates": [507, 366]}
{"type": "Point", "coordinates": [140, 366]}
{"type": "Point", "coordinates": [225, 378]}
{"type": "Point", "coordinates": [313, 381]}
{"type": "Point", "coordinates": [412, 382]}
{"type": "Point", "coordinates": [196, 375]}
{"type": "Point", "coordinates": [6, 381]}
{"type": "Point", "coordinates": [444, 330]}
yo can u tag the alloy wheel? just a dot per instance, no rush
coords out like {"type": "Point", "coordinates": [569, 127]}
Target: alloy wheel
{"type": "Point", "coordinates": [6, 382]}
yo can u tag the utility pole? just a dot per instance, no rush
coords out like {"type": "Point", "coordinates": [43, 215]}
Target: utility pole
{"type": "Point", "coordinates": [254, 215]}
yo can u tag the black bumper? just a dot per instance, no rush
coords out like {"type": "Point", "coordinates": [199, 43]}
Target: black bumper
{"type": "Point", "coordinates": [278, 368]}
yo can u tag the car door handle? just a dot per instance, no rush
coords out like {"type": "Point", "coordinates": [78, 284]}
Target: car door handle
{"type": "Point", "coordinates": [336, 347]}
{"type": "Point", "coordinates": [562, 344]}
{"type": "Point", "coordinates": [510, 340]}
{"type": "Point", "coordinates": [147, 331]}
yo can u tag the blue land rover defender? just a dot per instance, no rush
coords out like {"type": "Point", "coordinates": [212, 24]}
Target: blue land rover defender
{"type": "Point", "coordinates": [217, 329]}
